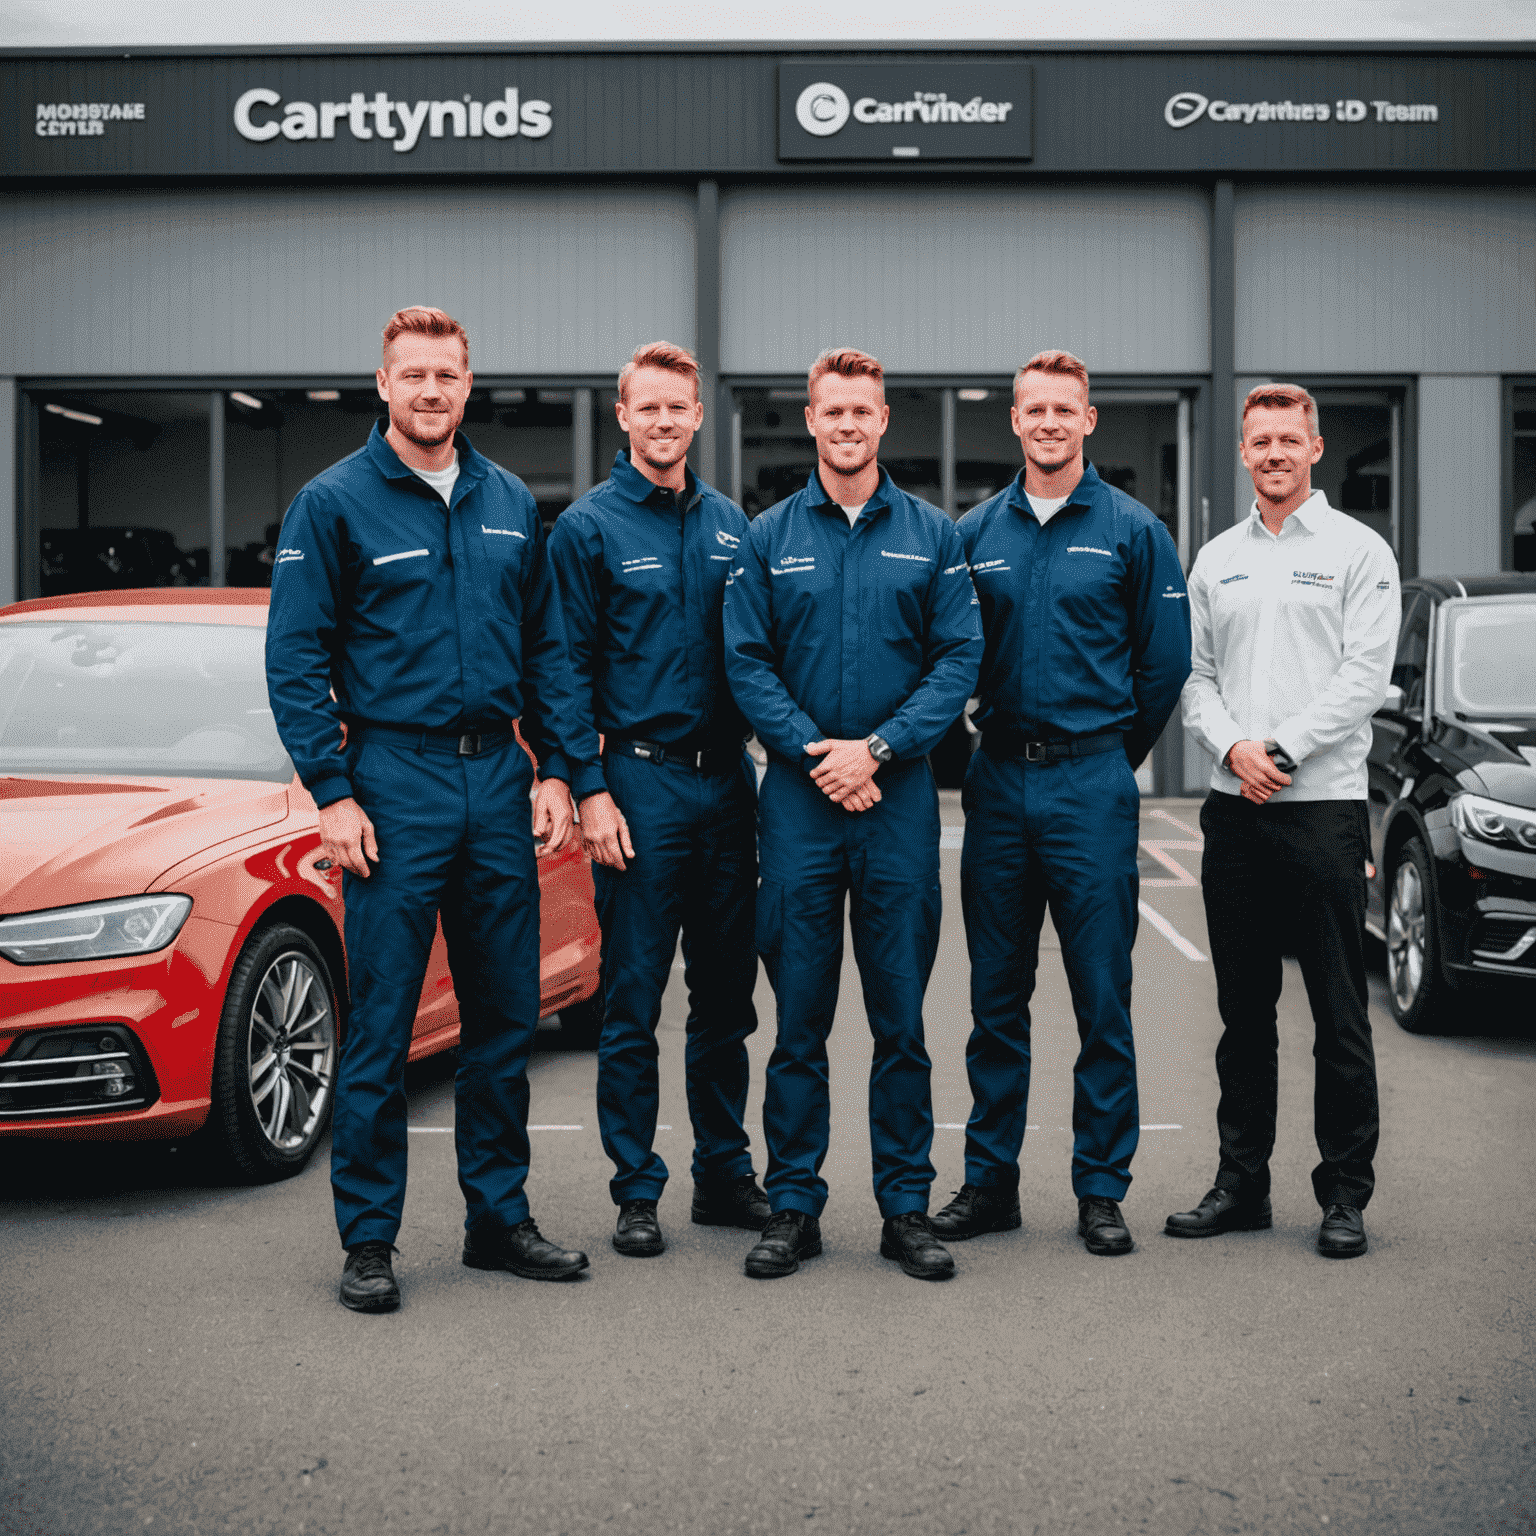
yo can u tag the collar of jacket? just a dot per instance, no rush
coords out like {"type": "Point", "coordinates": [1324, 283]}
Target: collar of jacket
{"type": "Point", "coordinates": [1312, 514]}
{"type": "Point", "coordinates": [389, 464]}
{"type": "Point", "coordinates": [816, 493]}
{"type": "Point", "coordinates": [635, 487]}
{"type": "Point", "coordinates": [1084, 494]}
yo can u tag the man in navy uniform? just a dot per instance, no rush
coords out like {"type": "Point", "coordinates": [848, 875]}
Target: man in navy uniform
{"type": "Point", "coordinates": [668, 814]}
{"type": "Point", "coordinates": [1087, 646]}
{"type": "Point", "coordinates": [412, 599]}
{"type": "Point", "coordinates": [852, 644]}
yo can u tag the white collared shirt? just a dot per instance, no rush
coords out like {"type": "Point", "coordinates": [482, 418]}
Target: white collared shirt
{"type": "Point", "coordinates": [1293, 638]}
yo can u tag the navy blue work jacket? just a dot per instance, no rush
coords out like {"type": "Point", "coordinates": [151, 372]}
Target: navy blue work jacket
{"type": "Point", "coordinates": [641, 572]}
{"type": "Point", "coordinates": [832, 631]}
{"type": "Point", "coordinates": [1086, 619]}
{"type": "Point", "coordinates": [416, 614]}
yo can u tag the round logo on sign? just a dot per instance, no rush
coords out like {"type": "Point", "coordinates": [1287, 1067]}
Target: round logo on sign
{"type": "Point", "coordinates": [1185, 108]}
{"type": "Point", "coordinates": [822, 108]}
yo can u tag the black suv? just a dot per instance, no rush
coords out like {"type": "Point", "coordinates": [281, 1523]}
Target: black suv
{"type": "Point", "coordinates": [1453, 797]}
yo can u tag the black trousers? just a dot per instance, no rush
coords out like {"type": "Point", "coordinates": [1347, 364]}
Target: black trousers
{"type": "Point", "coordinates": [1279, 878]}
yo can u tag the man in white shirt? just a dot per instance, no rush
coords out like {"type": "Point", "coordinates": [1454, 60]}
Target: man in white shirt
{"type": "Point", "coordinates": [1295, 614]}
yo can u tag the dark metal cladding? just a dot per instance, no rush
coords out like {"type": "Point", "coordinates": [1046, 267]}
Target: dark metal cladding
{"type": "Point", "coordinates": [713, 112]}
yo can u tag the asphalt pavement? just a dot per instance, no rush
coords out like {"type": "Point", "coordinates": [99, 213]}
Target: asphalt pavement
{"type": "Point", "coordinates": [172, 1356]}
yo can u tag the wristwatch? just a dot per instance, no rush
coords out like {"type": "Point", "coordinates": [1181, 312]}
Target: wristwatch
{"type": "Point", "coordinates": [879, 750]}
{"type": "Point", "coordinates": [1283, 759]}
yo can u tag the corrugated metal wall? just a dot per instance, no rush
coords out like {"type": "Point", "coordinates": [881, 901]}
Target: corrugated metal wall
{"type": "Point", "coordinates": [301, 281]}
{"type": "Point", "coordinates": [1408, 279]}
{"type": "Point", "coordinates": [969, 279]}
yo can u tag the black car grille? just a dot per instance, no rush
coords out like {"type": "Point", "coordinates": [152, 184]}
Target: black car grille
{"type": "Point", "coordinates": [1506, 941]}
{"type": "Point", "coordinates": [79, 1071]}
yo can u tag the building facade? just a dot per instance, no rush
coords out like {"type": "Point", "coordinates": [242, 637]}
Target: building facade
{"type": "Point", "coordinates": [198, 251]}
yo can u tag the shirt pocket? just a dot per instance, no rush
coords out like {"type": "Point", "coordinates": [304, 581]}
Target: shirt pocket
{"type": "Point", "coordinates": [1086, 580]}
{"type": "Point", "coordinates": [900, 591]}
{"type": "Point", "coordinates": [399, 589]}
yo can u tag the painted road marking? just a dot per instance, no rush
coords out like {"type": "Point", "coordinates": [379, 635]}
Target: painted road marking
{"type": "Point", "coordinates": [1157, 848]}
{"type": "Point", "coordinates": [1173, 820]}
{"type": "Point", "coordinates": [1170, 933]}
{"type": "Point", "coordinates": [951, 837]}
{"type": "Point", "coordinates": [444, 1130]}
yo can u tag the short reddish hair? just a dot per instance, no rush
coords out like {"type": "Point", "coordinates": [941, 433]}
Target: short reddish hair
{"type": "Point", "coordinates": [1280, 397]}
{"type": "Point", "coordinates": [1053, 360]}
{"type": "Point", "coordinates": [421, 320]}
{"type": "Point", "coordinates": [666, 355]}
{"type": "Point", "coordinates": [846, 363]}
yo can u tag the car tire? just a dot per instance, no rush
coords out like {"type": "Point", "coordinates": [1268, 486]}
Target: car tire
{"type": "Point", "coordinates": [271, 1107]}
{"type": "Point", "coordinates": [581, 1024]}
{"type": "Point", "coordinates": [1416, 984]}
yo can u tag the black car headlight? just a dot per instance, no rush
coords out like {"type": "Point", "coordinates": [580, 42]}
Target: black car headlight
{"type": "Point", "coordinates": [1491, 821]}
{"type": "Point", "coordinates": [100, 930]}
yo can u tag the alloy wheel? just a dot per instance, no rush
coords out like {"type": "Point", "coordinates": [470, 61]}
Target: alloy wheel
{"type": "Point", "coordinates": [1405, 936]}
{"type": "Point", "coordinates": [291, 1051]}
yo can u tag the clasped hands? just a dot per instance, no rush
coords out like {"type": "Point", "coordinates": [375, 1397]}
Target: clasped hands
{"type": "Point", "coordinates": [1256, 768]}
{"type": "Point", "coordinates": [846, 773]}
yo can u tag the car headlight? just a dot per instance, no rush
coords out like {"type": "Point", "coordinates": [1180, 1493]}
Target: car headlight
{"type": "Point", "coordinates": [100, 930]}
{"type": "Point", "coordinates": [1491, 821]}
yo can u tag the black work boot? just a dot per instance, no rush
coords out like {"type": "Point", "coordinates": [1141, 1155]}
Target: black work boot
{"type": "Point", "coordinates": [1102, 1227]}
{"type": "Point", "coordinates": [731, 1203]}
{"type": "Point", "coordinates": [789, 1237]}
{"type": "Point", "coordinates": [522, 1250]}
{"type": "Point", "coordinates": [976, 1209]}
{"type": "Point", "coordinates": [910, 1241]}
{"type": "Point", "coordinates": [368, 1279]}
{"type": "Point", "coordinates": [1222, 1210]}
{"type": "Point", "coordinates": [638, 1233]}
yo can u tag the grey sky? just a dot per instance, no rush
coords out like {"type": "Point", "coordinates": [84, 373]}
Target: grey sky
{"type": "Point", "coordinates": [195, 23]}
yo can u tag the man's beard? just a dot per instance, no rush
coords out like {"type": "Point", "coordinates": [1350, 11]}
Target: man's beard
{"type": "Point", "coordinates": [403, 426]}
{"type": "Point", "coordinates": [857, 469]}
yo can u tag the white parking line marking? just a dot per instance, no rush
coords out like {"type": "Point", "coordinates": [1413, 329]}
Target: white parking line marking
{"type": "Point", "coordinates": [430, 1130]}
{"type": "Point", "coordinates": [1183, 826]}
{"type": "Point", "coordinates": [1181, 876]}
{"type": "Point", "coordinates": [951, 837]}
{"type": "Point", "coordinates": [1170, 933]}
{"type": "Point", "coordinates": [1162, 1127]}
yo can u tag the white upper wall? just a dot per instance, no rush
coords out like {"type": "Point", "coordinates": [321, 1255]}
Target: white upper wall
{"type": "Point", "coordinates": [300, 281]}
{"type": "Point", "coordinates": [971, 279]}
{"type": "Point", "coordinates": [1387, 279]}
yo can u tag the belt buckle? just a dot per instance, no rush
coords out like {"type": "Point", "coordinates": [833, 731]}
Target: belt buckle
{"type": "Point", "coordinates": [698, 761]}
{"type": "Point", "coordinates": [469, 744]}
{"type": "Point", "coordinates": [1034, 751]}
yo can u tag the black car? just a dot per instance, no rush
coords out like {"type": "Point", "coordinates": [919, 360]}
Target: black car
{"type": "Point", "coordinates": [1453, 799]}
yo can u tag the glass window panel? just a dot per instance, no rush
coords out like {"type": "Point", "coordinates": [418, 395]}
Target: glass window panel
{"type": "Point", "coordinates": [1523, 464]}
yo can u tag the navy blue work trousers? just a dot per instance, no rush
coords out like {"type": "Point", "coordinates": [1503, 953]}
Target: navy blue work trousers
{"type": "Point", "coordinates": [455, 837]}
{"type": "Point", "coordinates": [694, 871]}
{"type": "Point", "coordinates": [1062, 835]}
{"type": "Point", "coordinates": [886, 859]}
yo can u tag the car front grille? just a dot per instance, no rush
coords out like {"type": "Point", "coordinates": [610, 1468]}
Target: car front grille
{"type": "Point", "coordinates": [1506, 941]}
{"type": "Point", "coordinates": [87, 1069]}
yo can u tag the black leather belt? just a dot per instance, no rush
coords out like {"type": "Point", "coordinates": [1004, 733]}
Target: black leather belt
{"type": "Point", "coordinates": [712, 758]}
{"type": "Point", "coordinates": [1004, 744]}
{"type": "Point", "coordinates": [432, 739]}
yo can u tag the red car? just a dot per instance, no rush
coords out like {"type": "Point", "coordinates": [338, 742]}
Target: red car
{"type": "Point", "coordinates": [171, 953]}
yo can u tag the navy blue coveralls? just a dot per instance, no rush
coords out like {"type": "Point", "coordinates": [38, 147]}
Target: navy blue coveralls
{"type": "Point", "coordinates": [838, 632]}
{"type": "Point", "coordinates": [428, 622]}
{"type": "Point", "coordinates": [641, 572]}
{"type": "Point", "coordinates": [1087, 642]}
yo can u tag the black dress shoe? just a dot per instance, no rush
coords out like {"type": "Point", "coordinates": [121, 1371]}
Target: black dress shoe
{"type": "Point", "coordinates": [522, 1251]}
{"type": "Point", "coordinates": [734, 1203]}
{"type": "Point", "coordinates": [788, 1237]}
{"type": "Point", "coordinates": [1222, 1210]}
{"type": "Point", "coordinates": [1102, 1227]}
{"type": "Point", "coordinates": [910, 1241]}
{"type": "Point", "coordinates": [1342, 1234]}
{"type": "Point", "coordinates": [977, 1209]}
{"type": "Point", "coordinates": [368, 1279]}
{"type": "Point", "coordinates": [638, 1234]}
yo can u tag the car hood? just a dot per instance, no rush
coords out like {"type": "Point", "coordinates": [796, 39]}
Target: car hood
{"type": "Point", "coordinates": [1500, 759]}
{"type": "Point", "coordinates": [65, 841]}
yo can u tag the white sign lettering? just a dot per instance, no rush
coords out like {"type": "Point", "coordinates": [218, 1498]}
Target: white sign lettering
{"type": "Point", "coordinates": [83, 119]}
{"type": "Point", "coordinates": [401, 122]}
{"type": "Point", "coordinates": [1187, 107]}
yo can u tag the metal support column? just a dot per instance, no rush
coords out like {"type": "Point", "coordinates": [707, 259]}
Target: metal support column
{"type": "Point", "coordinates": [1223, 299]}
{"type": "Point", "coordinates": [581, 442]}
{"type": "Point", "coordinates": [947, 451]}
{"type": "Point", "coordinates": [217, 554]}
{"type": "Point", "coordinates": [714, 440]}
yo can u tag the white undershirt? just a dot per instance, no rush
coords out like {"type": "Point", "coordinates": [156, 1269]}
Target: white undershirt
{"type": "Point", "coordinates": [1046, 507]}
{"type": "Point", "coordinates": [441, 480]}
{"type": "Point", "coordinates": [852, 513]}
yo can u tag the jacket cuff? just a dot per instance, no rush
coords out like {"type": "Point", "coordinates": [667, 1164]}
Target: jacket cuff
{"type": "Point", "coordinates": [896, 735]}
{"type": "Point", "coordinates": [330, 789]}
{"type": "Point", "coordinates": [591, 780]}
